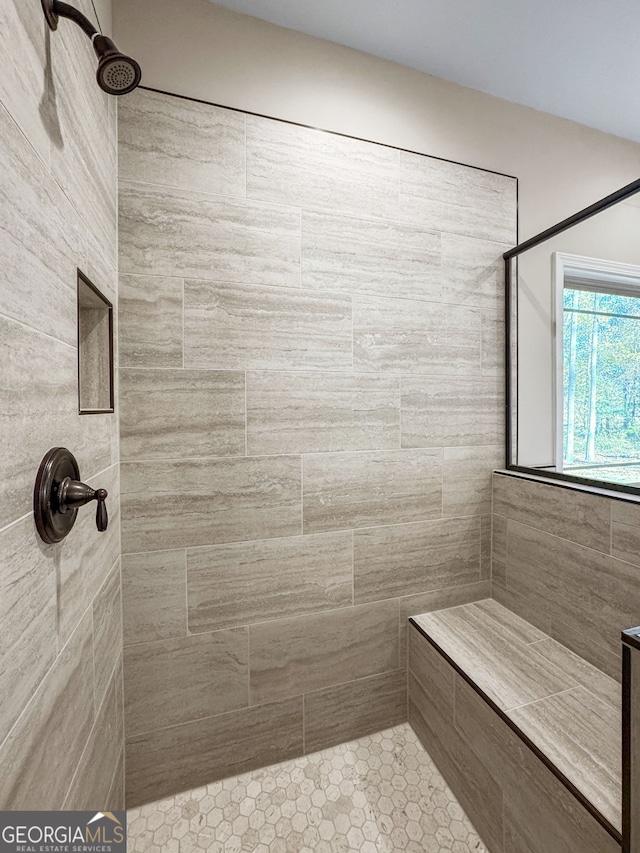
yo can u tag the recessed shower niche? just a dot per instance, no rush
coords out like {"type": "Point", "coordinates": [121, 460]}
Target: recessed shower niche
{"type": "Point", "coordinates": [95, 350]}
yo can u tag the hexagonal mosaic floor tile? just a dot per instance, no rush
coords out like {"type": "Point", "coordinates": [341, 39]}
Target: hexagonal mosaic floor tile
{"type": "Point", "coordinates": [378, 794]}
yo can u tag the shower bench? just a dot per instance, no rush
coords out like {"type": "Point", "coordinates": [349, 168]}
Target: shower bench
{"type": "Point", "coordinates": [526, 733]}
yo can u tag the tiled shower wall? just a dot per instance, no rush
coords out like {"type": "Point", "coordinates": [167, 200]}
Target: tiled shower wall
{"type": "Point", "coordinates": [61, 720]}
{"type": "Point", "coordinates": [311, 406]}
{"type": "Point", "coordinates": [568, 561]}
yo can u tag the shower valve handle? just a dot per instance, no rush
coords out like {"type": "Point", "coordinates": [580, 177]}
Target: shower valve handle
{"type": "Point", "coordinates": [73, 494]}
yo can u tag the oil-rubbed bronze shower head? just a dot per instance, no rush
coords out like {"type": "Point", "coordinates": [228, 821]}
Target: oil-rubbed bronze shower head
{"type": "Point", "coordinates": [117, 73]}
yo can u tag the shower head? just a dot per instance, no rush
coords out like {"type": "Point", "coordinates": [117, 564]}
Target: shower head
{"type": "Point", "coordinates": [117, 74]}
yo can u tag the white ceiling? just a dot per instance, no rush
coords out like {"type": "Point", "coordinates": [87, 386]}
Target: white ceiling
{"type": "Point", "coordinates": [579, 59]}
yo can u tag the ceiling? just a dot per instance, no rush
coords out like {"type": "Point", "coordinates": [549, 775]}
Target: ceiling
{"type": "Point", "coordinates": [579, 59]}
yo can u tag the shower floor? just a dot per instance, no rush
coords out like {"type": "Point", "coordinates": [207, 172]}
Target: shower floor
{"type": "Point", "coordinates": [377, 794]}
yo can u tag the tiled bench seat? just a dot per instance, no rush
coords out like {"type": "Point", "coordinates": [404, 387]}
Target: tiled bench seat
{"type": "Point", "coordinates": [529, 732]}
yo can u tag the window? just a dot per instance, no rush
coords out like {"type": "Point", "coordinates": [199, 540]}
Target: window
{"type": "Point", "coordinates": [598, 374]}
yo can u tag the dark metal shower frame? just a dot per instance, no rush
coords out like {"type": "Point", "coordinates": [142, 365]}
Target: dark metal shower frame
{"type": "Point", "coordinates": [511, 294]}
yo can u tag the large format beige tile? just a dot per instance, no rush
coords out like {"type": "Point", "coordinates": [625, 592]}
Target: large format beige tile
{"type": "Point", "coordinates": [578, 586]}
{"type": "Point", "coordinates": [466, 478]}
{"type": "Point", "coordinates": [473, 271]}
{"type": "Point", "coordinates": [625, 535]}
{"type": "Point", "coordinates": [93, 779]}
{"type": "Point", "coordinates": [24, 88]}
{"type": "Point", "coordinates": [169, 682]}
{"type": "Point", "coordinates": [187, 756]}
{"type": "Point", "coordinates": [168, 140]}
{"type": "Point", "coordinates": [39, 384]}
{"type": "Point", "coordinates": [150, 321]}
{"type": "Point", "coordinates": [451, 411]}
{"type": "Point", "coordinates": [209, 501]}
{"type": "Point", "coordinates": [581, 671]}
{"type": "Point", "coordinates": [570, 514]}
{"type": "Point", "coordinates": [40, 756]}
{"type": "Point", "coordinates": [311, 412]}
{"type": "Point", "coordinates": [508, 671]}
{"type": "Point", "coordinates": [347, 490]}
{"type": "Point", "coordinates": [166, 231]}
{"type": "Point", "coordinates": [154, 596]}
{"type": "Point", "coordinates": [238, 326]}
{"type": "Point", "coordinates": [593, 651]}
{"type": "Point", "coordinates": [365, 256]}
{"type": "Point", "coordinates": [460, 199]}
{"type": "Point", "coordinates": [41, 242]}
{"type": "Point", "coordinates": [541, 814]}
{"type": "Point", "coordinates": [499, 549]}
{"type": "Point", "coordinates": [510, 623]}
{"type": "Point", "coordinates": [493, 344]}
{"type": "Point", "coordinates": [405, 559]}
{"type": "Point", "coordinates": [174, 414]}
{"type": "Point", "coordinates": [248, 582]}
{"type": "Point", "coordinates": [107, 633]}
{"type": "Point", "coordinates": [314, 169]}
{"type": "Point", "coordinates": [307, 653]}
{"type": "Point", "coordinates": [411, 336]}
{"type": "Point", "coordinates": [339, 714]}
{"type": "Point", "coordinates": [581, 735]}
{"type": "Point", "coordinates": [27, 617]}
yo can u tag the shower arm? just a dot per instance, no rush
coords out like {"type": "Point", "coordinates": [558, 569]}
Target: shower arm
{"type": "Point", "coordinates": [55, 9]}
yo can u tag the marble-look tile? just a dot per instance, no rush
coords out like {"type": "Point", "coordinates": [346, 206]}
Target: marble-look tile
{"type": "Point", "coordinates": [581, 671]}
{"type": "Point", "coordinates": [347, 490]}
{"type": "Point", "coordinates": [168, 140]}
{"type": "Point", "coordinates": [578, 516]}
{"type": "Point", "coordinates": [27, 616]}
{"type": "Point", "coordinates": [509, 672]}
{"type": "Point", "coordinates": [40, 755]}
{"type": "Point", "coordinates": [313, 412]}
{"type": "Point", "coordinates": [438, 599]}
{"type": "Point", "coordinates": [451, 411]}
{"type": "Point", "coordinates": [154, 596]}
{"type": "Point", "coordinates": [493, 344]}
{"type": "Point", "coordinates": [115, 798]}
{"type": "Point", "coordinates": [405, 559]}
{"type": "Point", "coordinates": [578, 587]}
{"type": "Point", "coordinates": [175, 414]}
{"type": "Point", "coordinates": [366, 256]}
{"type": "Point", "coordinates": [534, 613]}
{"type": "Point", "coordinates": [473, 271]}
{"type": "Point", "coordinates": [522, 631]}
{"type": "Point", "coordinates": [581, 735]}
{"type": "Point", "coordinates": [592, 651]}
{"type": "Point", "coordinates": [412, 336]}
{"type": "Point", "coordinates": [164, 762]}
{"type": "Point", "coordinates": [460, 199]}
{"type": "Point", "coordinates": [238, 326]}
{"type": "Point", "coordinates": [84, 559]}
{"type": "Point", "coordinates": [39, 383]}
{"type": "Point", "coordinates": [348, 711]}
{"type": "Point", "coordinates": [499, 549]}
{"type": "Point", "coordinates": [293, 656]}
{"type": "Point", "coordinates": [466, 478]}
{"type": "Point", "coordinates": [169, 682]}
{"type": "Point", "coordinates": [171, 232]}
{"type": "Point", "coordinates": [107, 633]}
{"type": "Point", "coordinates": [246, 582]}
{"type": "Point", "coordinates": [485, 547]}
{"type": "Point", "coordinates": [41, 241]}
{"type": "Point", "coordinates": [150, 321]}
{"type": "Point", "coordinates": [94, 777]}
{"type": "Point", "coordinates": [366, 795]}
{"type": "Point", "coordinates": [313, 169]}
{"type": "Point", "coordinates": [625, 527]}
{"type": "Point", "coordinates": [541, 814]}
{"type": "Point", "coordinates": [209, 501]}
{"type": "Point", "coordinates": [24, 88]}
{"type": "Point", "coordinates": [84, 154]}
